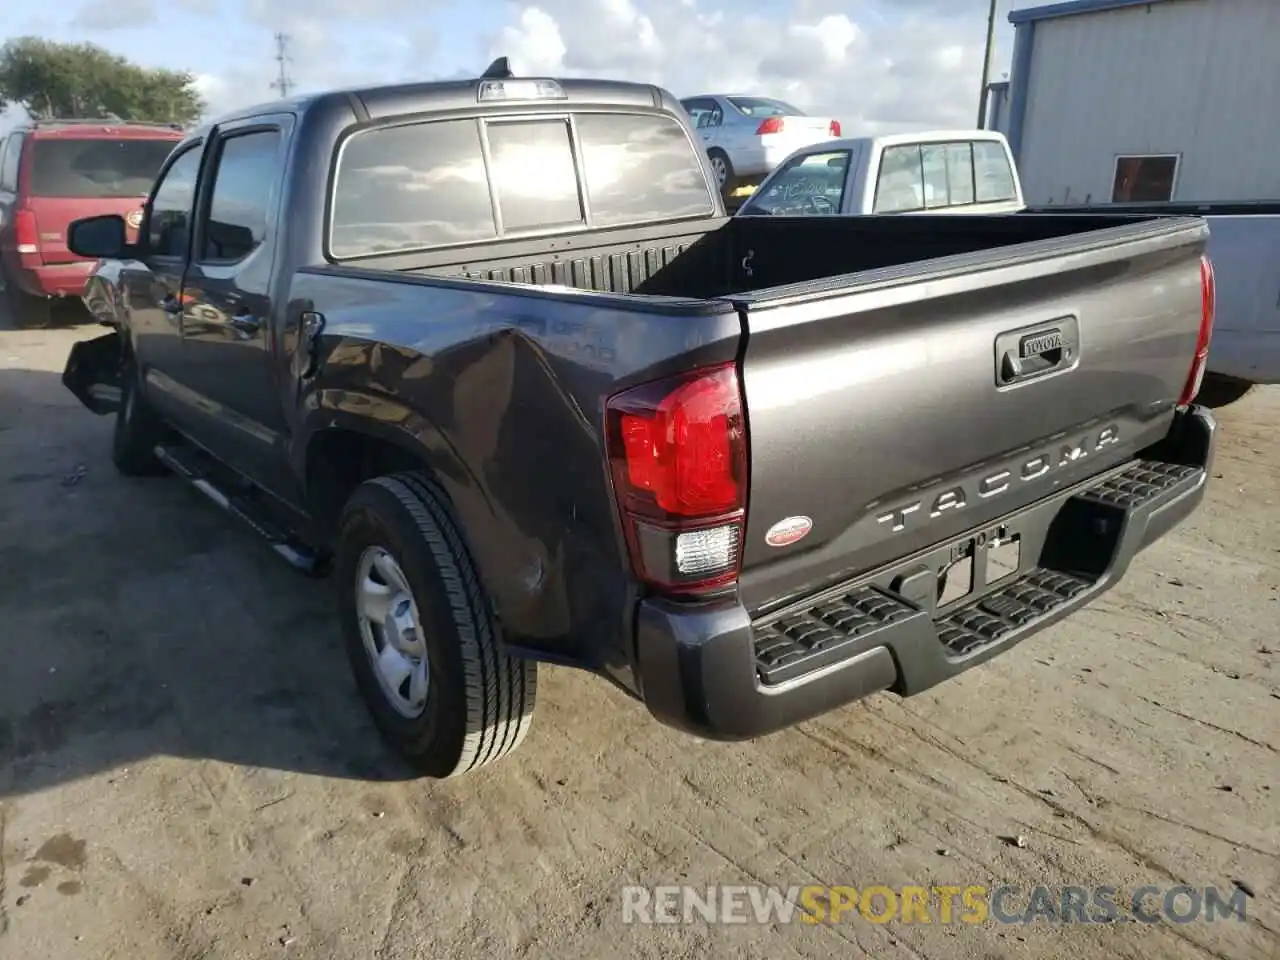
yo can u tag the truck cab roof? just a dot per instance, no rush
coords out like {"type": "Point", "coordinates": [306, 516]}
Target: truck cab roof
{"type": "Point", "coordinates": [442, 96]}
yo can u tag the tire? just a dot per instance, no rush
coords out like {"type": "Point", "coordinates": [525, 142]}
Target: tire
{"type": "Point", "coordinates": [1221, 391]}
{"type": "Point", "coordinates": [476, 702]}
{"type": "Point", "coordinates": [137, 430]}
{"type": "Point", "coordinates": [720, 162]}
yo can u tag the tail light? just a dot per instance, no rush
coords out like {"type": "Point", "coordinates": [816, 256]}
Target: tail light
{"type": "Point", "coordinates": [26, 233]}
{"type": "Point", "coordinates": [677, 452]}
{"type": "Point", "coordinates": [1208, 304]}
{"type": "Point", "coordinates": [770, 125]}
{"type": "Point", "coordinates": [835, 128]}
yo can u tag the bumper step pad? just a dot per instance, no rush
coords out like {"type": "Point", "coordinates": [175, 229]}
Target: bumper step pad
{"type": "Point", "coordinates": [801, 640]}
{"type": "Point", "coordinates": [1014, 605]}
{"type": "Point", "coordinates": [808, 640]}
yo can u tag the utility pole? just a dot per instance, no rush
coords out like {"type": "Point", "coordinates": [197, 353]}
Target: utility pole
{"type": "Point", "coordinates": [986, 65]}
{"type": "Point", "coordinates": [282, 82]}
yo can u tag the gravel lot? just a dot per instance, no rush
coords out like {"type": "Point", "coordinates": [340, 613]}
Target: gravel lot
{"type": "Point", "coordinates": [186, 772]}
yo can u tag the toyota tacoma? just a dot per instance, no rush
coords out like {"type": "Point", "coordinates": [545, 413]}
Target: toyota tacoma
{"type": "Point", "coordinates": [489, 354]}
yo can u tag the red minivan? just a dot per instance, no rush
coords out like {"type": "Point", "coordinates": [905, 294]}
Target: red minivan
{"type": "Point", "coordinates": [56, 171]}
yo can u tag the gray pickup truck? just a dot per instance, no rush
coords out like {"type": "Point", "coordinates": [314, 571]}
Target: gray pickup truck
{"type": "Point", "coordinates": [490, 354]}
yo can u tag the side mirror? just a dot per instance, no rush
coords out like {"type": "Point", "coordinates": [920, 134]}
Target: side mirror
{"type": "Point", "coordinates": [102, 237]}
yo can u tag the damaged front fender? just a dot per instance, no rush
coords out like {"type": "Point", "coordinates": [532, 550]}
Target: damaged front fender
{"type": "Point", "coordinates": [93, 371]}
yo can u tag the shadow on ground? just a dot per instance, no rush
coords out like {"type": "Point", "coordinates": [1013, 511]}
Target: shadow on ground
{"type": "Point", "coordinates": [64, 313]}
{"type": "Point", "coordinates": [139, 620]}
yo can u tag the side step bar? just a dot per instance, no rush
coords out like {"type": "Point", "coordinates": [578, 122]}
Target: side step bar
{"type": "Point", "coordinates": [197, 469]}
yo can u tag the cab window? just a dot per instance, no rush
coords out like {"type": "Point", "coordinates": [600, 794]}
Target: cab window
{"type": "Point", "coordinates": [169, 223]}
{"type": "Point", "coordinates": [805, 186]}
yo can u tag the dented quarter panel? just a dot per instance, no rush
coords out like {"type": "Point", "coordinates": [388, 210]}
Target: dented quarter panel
{"type": "Point", "coordinates": [503, 390]}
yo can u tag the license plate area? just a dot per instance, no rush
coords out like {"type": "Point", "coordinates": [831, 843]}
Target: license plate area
{"type": "Point", "coordinates": [965, 570]}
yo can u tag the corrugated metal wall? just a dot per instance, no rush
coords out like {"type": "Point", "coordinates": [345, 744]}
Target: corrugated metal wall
{"type": "Point", "coordinates": [1200, 78]}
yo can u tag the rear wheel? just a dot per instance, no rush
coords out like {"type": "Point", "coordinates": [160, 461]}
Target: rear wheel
{"type": "Point", "coordinates": [419, 632]}
{"type": "Point", "coordinates": [723, 170]}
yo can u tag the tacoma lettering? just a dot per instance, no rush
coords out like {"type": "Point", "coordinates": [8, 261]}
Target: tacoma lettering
{"type": "Point", "coordinates": [998, 482]}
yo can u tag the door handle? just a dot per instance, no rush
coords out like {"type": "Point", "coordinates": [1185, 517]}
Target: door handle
{"type": "Point", "coordinates": [1031, 352]}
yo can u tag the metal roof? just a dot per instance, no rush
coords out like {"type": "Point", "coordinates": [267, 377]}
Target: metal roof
{"type": "Point", "coordinates": [1052, 11]}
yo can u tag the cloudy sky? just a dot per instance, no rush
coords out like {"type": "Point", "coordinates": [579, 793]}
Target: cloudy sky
{"type": "Point", "coordinates": [876, 65]}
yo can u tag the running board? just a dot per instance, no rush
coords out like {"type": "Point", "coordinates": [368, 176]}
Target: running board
{"type": "Point", "coordinates": [196, 467]}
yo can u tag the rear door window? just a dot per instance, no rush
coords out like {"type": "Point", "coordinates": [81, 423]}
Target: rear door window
{"type": "Point", "coordinates": [243, 195]}
{"type": "Point", "coordinates": [97, 168]}
{"type": "Point", "coordinates": [703, 113]}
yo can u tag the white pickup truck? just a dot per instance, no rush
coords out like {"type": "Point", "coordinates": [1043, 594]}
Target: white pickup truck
{"type": "Point", "coordinates": [941, 171]}
{"type": "Point", "coordinates": [973, 172]}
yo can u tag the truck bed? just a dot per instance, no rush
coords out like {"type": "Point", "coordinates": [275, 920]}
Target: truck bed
{"type": "Point", "coordinates": [872, 360]}
{"type": "Point", "coordinates": [742, 255]}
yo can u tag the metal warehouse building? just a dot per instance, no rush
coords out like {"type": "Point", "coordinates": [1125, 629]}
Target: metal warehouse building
{"type": "Point", "coordinates": [1145, 100]}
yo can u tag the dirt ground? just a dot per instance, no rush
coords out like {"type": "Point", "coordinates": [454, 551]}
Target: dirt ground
{"type": "Point", "coordinates": [186, 771]}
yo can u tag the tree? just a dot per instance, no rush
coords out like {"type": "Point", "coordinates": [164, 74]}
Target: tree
{"type": "Point", "coordinates": [64, 80]}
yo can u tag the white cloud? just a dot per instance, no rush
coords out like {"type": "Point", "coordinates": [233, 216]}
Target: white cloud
{"type": "Point", "coordinates": [876, 65]}
{"type": "Point", "coordinates": [534, 43]}
{"type": "Point", "coordinates": [115, 14]}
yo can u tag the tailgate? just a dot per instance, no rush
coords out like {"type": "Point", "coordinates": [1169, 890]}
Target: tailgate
{"type": "Point", "coordinates": [892, 410]}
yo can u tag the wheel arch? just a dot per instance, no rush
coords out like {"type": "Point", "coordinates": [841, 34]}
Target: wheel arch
{"type": "Point", "coordinates": [341, 448]}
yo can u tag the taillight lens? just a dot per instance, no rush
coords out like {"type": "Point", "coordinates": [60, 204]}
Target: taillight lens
{"type": "Point", "coordinates": [1208, 306]}
{"type": "Point", "coordinates": [677, 452]}
{"type": "Point", "coordinates": [26, 233]}
{"type": "Point", "coordinates": [770, 125]}
{"type": "Point", "coordinates": [835, 128]}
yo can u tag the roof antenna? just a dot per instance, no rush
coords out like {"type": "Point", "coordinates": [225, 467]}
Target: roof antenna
{"type": "Point", "coordinates": [500, 69]}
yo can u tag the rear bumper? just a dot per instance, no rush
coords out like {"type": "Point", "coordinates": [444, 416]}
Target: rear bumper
{"type": "Point", "coordinates": [710, 670]}
{"type": "Point", "coordinates": [56, 279]}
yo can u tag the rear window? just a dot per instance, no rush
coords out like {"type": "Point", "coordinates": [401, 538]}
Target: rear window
{"type": "Point", "coordinates": [930, 176]}
{"type": "Point", "coordinates": [764, 107]}
{"type": "Point", "coordinates": [423, 185]}
{"type": "Point", "coordinates": [99, 168]}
